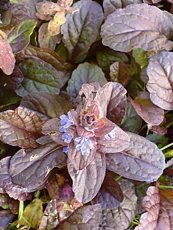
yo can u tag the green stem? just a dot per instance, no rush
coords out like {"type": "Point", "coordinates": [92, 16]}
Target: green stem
{"type": "Point", "coordinates": [165, 186]}
{"type": "Point", "coordinates": [21, 209]}
{"type": "Point", "coordinates": [118, 178]}
{"type": "Point", "coordinates": [167, 146]}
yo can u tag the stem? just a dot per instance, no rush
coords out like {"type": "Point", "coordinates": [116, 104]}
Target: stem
{"type": "Point", "coordinates": [21, 208]}
{"type": "Point", "coordinates": [118, 178]}
{"type": "Point", "coordinates": [165, 186]}
{"type": "Point", "coordinates": [167, 146]}
{"type": "Point", "coordinates": [37, 194]}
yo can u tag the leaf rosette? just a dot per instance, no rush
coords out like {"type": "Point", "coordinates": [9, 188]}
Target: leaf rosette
{"type": "Point", "coordinates": [93, 143]}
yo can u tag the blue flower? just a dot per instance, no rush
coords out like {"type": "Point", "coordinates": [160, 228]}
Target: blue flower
{"type": "Point", "coordinates": [65, 149]}
{"type": "Point", "coordinates": [66, 121]}
{"type": "Point", "coordinates": [84, 145]}
{"type": "Point", "coordinates": [67, 137]}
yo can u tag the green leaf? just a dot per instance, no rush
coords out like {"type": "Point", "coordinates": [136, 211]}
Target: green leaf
{"type": "Point", "coordinates": [85, 73]}
{"type": "Point", "coordinates": [32, 214]}
{"type": "Point", "coordinates": [48, 104]}
{"type": "Point", "coordinates": [40, 76]}
{"type": "Point", "coordinates": [107, 57]}
{"type": "Point", "coordinates": [19, 37]}
{"type": "Point", "coordinates": [140, 57]}
{"type": "Point", "coordinates": [169, 153]}
{"type": "Point", "coordinates": [8, 97]}
{"type": "Point", "coordinates": [158, 139]}
{"type": "Point", "coordinates": [81, 29]}
{"type": "Point", "coordinates": [132, 122]}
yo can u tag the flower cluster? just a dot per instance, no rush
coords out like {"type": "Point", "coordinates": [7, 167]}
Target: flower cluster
{"type": "Point", "coordinates": [83, 144]}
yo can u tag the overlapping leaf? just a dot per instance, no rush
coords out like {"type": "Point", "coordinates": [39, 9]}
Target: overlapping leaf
{"type": "Point", "coordinates": [158, 206]}
{"type": "Point", "coordinates": [111, 5]}
{"type": "Point", "coordinates": [133, 27]}
{"type": "Point", "coordinates": [45, 39]}
{"type": "Point", "coordinates": [110, 194]}
{"type": "Point", "coordinates": [121, 217]}
{"type": "Point", "coordinates": [19, 37]}
{"type": "Point", "coordinates": [160, 73]}
{"type": "Point", "coordinates": [87, 181]}
{"type": "Point", "coordinates": [30, 169]}
{"type": "Point", "coordinates": [32, 214]}
{"type": "Point", "coordinates": [21, 127]}
{"type": "Point", "coordinates": [112, 101]}
{"type": "Point", "coordinates": [82, 29]}
{"type": "Point", "coordinates": [40, 76]}
{"type": "Point", "coordinates": [87, 217]}
{"type": "Point", "coordinates": [47, 104]}
{"type": "Point", "coordinates": [142, 160]}
{"type": "Point", "coordinates": [56, 212]}
{"type": "Point", "coordinates": [150, 113]}
{"type": "Point", "coordinates": [23, 10]}
{"type": "Point", "coordinates": [85, 73]}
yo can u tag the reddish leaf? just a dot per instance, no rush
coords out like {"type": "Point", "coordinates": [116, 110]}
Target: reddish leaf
{"type": "Point", "coordinates": [159, 210]}
{"type": "Point", "coordinates": [149, 112]}
{"type": "Point", "coordinates": [7, 59]}
{"type": "Point", "coordinates": [45, 39]}
{"type": "Point", "coordinates": [21, 127]}
{"type": "Point", "coordinates": [112, 101]}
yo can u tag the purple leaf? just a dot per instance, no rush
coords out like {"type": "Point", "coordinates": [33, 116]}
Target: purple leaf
{"type": "Point", "coordinates": [111, 5]}
{"type": "Point", "coordinates": [142, 160]}
{"type": "Point", "coordinates": [29, 169]}
{"type": "Point", "coordinates": [121, 217]}
{"type": "Point", "coordinates": [160, 73]}
{"type": "Point", "coordinates": [110, 194]}
{"type": "Point", "coordinates": [87, 181]}
{"type": "Point", "coordinates": [14, 191]}
{"type": "Point", "coordinates": [5, 219]}
{"type": "Point", "coordinates": [115, 141]}
{"type": "Point", "coordinates": [133, 27]}
{"type": "Point", "coordinates": [81, 29]}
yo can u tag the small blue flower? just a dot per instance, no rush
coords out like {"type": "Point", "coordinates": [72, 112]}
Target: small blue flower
{"type": "Point", "coordinates": [66, 121]}
{"type": "Point", "coordinates": [84, 145]}
{"type": "Point", "coordinates": [65, 149]}
{"type": "Point", "coordinates": [67, 137]}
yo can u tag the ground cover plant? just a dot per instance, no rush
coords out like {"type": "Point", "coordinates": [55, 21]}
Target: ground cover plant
{"type": "Point", "coordinates": [86, 122]}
